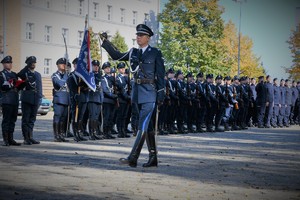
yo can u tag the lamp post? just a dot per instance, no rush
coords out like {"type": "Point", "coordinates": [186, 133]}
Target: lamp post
{"type": "Point", "coordinates": [239, 45]}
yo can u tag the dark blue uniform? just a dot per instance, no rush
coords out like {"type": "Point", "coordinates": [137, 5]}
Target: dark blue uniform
{"type": "Point", "coordinates": [212, 104]}
{"type": "Point", "coordinates": [31, 98]}
{"type": "Point", "coordinates": [200, 107]}
{"type": "Point", "coordinates": [261, 100]}
{"type": "Point", "coordinates": [277, 105]}
{"type": "Point", "coordinates": [288, 102]}
{"type": "Point", "coordinates": [148, 70]}
{"type": "Point", "coordinates": [61, 101]}
{"type": "Point", "coordinates": [270, 100]}
{"type": "Point", "coordinates": [221, 106]}
{"type": "Point", "coordinates": [10, 101]}
{"type": "Point", "coordinates": [294, 106]}
{"type": "Point", "coordinates": [283, 106]}
{"type": "Point", "coordinates": [182, 111]}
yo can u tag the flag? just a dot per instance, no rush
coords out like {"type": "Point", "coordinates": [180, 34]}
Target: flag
{"type": "Point", "coordinates": [84, 65]}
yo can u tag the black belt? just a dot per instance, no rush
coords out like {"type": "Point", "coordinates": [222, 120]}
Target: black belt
{"type": "Point", "coordinates": [144, 81]}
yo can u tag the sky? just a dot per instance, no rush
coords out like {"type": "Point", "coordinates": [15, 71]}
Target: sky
{"type": "Point", "coordinates": [268, 23]}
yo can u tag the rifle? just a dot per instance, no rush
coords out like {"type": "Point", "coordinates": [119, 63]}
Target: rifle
{"type": "Point", "coordinates": [236, 105]}
{"type": "Point", "coordinates": [116, 90]}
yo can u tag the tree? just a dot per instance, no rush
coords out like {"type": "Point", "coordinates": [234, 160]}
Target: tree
{"type": "Point", "coordinates": [191, 35]}
{"type": "Point", "coordinates": [118, 42]}
{"type": "Point", "coordinates": [294, 45]}
{"type": "Point", "coordinates": [94, 46]}
{"type": "Point", "coordinates": [249, 61]}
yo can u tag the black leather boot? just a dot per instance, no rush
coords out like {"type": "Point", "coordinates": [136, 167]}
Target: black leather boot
{"type": "Point", "coordinates": [218, 129]}
{"type": "Point", "coordinates": [27, 140]}
{"type": "Point", "coordinates": [97, 134]}
{"type": "Point", "coordinates": [61, 132]}
{"type": "Point", "coordinates": [152, 162]}
{"type": "Point", "coordinates": [107, 133]}
{"type": "Point", "coordinates": [80, 131]}
{"type": "Point", "coordinates": [226, 127]}
{"type": "Point", "coordinates": [55, 132]}
{"type": "Point", "coordinates": [120, 131]}
{"type": "Point", "coordinates": [125, 133]}
{"type": "Point", "coordinates": [75, 130]}
{"type": "Point", "coordinates": [131, 160]}
{"type": "Point", "coordinates": [33, 141]}
{"type": "Point", "coordinates": [5, 139]}
{"type": "Point", "coordinates": [11, 140]}
{"type": "Point", "coordinates": [91, 130]}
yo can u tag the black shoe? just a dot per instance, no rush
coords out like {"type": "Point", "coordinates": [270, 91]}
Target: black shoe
{"type": "Point", "coordinates": [260, 126]}
{"type": "Point", "coordinates": [127, 161]}
{"type": "Point", "coordinates": [14, 143]}
{"type": "Point", "coordinates": [128, 131]}
{"type": "Point", "coordinates": [218, 130]}
{"type": "Point", "coordinates": [152, 162]}
{"type": "Point", "coordinates": [120, 135]}
{"type": "Point", "coordinates": [27, 142]}
{"type": "Point", "coordinates": [69, 134]}
{"type": "Point", "coordinates": [33, 141]}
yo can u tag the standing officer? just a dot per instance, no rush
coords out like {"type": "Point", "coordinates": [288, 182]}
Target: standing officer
{"type": "Point", "coordinates": [283, 104]}
{"type": "Point", "coordinates": [288, 102]}
{"type": "Point", "coordinates": [277, 103]}
{"type": "Point", "coordinates": [61, 100]}
{"type": "Point", "coordinates": [222, 103]}
{"type": "Point", "coordinates": [148, 68]}
{"type": "Point", "coordinates": [110, 101]}
{"type": "Point", "coordinates": [212, 102]}
{"type": "Point", "coordinates": [191, 105]}
{"type": "Point", "coordinates": [31, 98]}
{"type": "Point", "coordinates": [201, 108]}
{"type": "Point", "coordinates": [181, 90]}
{"type": "Point", "coordinates": [269, 101]}
{"type": "Point", "coordinates": [95, 101]}
{"type": "Point", "coordinates": [237, 102]}
{"type": "Point", "coordinates": [261, 100]}
{"type": "Point", "coordinates": [124, 100]}
{"type": "Point", "coordinates": [294, 99]}
{"type": "Point", "coordinates": [228, 93]}
{"type": "Point", "coordinates": [10, 101]}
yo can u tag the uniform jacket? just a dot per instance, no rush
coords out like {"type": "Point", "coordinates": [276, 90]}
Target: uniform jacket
{"type": "Point", "coordinates": [9, 93]}
{"type": "Point", "coordinates": [288, 96]}
{"type": "Point", "coordinates": [283, 94]}
{"type": "Point", "coordinates": [61, 93]}
{"type": "Point", "coordinates": [269, 92]}
{"type": "Point", "coordinates": [122, 85]}
{"type": "Point", "coordinates": [261, 93]}
{"type": "Point", "coordinates": [108, 89]}
{"type": "Point", "coordinates": [277, 95]}
{"type": "Point", "coordinates": [97, 96]}
{"type": "Point", "coordinates": [295, 94]}
{"type": "Point", "coordinates": [149, 65]}
{"type": "Point", "coordinates": [32, 93]}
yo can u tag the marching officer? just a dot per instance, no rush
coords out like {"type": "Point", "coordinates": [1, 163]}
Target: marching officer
{"type": "Point", "coordinates": [149, 71]}
{"type": "Point", "coordinates": [61, 100]}
{"type": "Point", "coordinates": [95, 101]}
{"type": "Point", "coordinates": [124, 100]}
{"type": "Point", "coordinates": [31, 98]}
{"type": "Point", "coordinates": [110, 101]}
{"type": "Point", "coordinates": [10, 101]}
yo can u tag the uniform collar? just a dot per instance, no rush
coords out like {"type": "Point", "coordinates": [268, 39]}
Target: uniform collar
{"type": "Point", "coordinates": [144, 48]}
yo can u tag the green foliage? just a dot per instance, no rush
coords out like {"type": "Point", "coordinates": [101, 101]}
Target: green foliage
{"type": "Point", "coordinates": [294, 44]}
{"type": "Point", "coordinates": [119, 41]}
{"type": "Point", "coordinates": [95, 48]}
{"type": "Point", "coordinates": [191, 36]}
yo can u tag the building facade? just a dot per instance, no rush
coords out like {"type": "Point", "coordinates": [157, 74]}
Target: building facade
{"type": "Point", "coordinates": [36, 27]}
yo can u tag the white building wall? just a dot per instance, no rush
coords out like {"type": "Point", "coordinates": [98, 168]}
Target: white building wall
{"type": "Point", "coordinates": [57, 18]}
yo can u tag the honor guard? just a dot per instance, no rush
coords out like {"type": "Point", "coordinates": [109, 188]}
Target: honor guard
{"type": "Point", "coordinates": [212, 102]}
{"type": "Point", "coordinates": [110, 101]}
{"type": "Point", "coordinates": [147, 65]}
{"type": "Point", "coordinates": [74, 83]}
{"type": "Point", "coordinates": [191, 102]}
{"type": "Point", "coordinates": [201, 107]}
{"type": "Point", "coordinates": [181, 90]}
{"type": "Point", "coordinates": [222, 103]}
{"type": "Point", "coordinates": [95, 103]}
{"type": "Point", "coordinates": [288, 102]}
{"type": "Point", "coordinates": [277, 103]}
{"type": "Point", "coordinates": [228, 93]}
{"type": "Point", "coordinates": [10, 101]}
{"type": "Point", "coordinates": [124, 100]}
{"type": "Point", "coordinates": [61, 100]}
{"type": "Point", "coordinates": [261, 100]}
{"type": "Point", "coordinates": [31, 98]}
{"type": "Point", "coordinates": [283, 104]}
{"type": "Point", "coordinates": [238, 101]}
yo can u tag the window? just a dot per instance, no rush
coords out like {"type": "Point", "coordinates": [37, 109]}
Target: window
{"type": "Point", "coordinates": [80, 37]}
{"type": "Point", "coordinates": [29, 31]}
{"type": "Point", "coordinates": [48, 4]}
{"type": "Point", "coordinates": [48, 33]}
{"type": "Point", "coordinates": [146, 19]}
{"type": "Point", "coordinates": [134, 17]}
{"type": "Point", "coordinates": [81, 7]}
{"type": "Point", "coordinates": [47, 65]}
{"type": "Point", "coordinates": [122, 15]}
{"type": "Point", "coordinates": [109, 12]}
{"type": "Point", "coordinates": [96, 9]}
{"type": "Point", "coordinates": [66, 5]}
{"type": "Point", "coordinates": [65, 33]}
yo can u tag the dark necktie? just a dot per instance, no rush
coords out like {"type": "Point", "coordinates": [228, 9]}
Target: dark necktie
{"type": "Point", "coordinates": [140, 54]}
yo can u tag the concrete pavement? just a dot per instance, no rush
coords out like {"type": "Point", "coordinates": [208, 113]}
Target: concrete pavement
{"type": "Point", "coordinates": [251, 164]}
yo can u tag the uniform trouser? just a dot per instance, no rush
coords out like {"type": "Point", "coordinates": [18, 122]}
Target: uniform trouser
{"type": "Point", "coordinates": [94, 110]}
{"type": "Point", "coordinates": [235, 115]}
{"type": "Point", "coordinates": [252, 113]}
{"type": "Point", "coordinates": [134, 116]}
{"type": "Point", "coordinates": [241, 114]}
{"type": "Point", "coordinates": [128, 117]}
{"type": "Point", "coordinates": [299, 113]}
{"type": "Point", "coordinates": [190, 115]}
{"type": "Point", "coordinates": [211, 112]}
{"type": "Point", "coordinates": [108, 115]}
{"type": "Point", "coordinates": [10, 113]}
{"type": "Point", "coordinates": [29, 113]}
{"type": "Point", "coordinates": [121, 116]}
{"type": "Point", "coordinates": [275, 116]}
{"type": "Point", "coordinates": [287, 115]}
{"type": "Point", "coordinates": [181, 116]}
{"type": "Point", "coordinates": [261, 109]}
{"type": "Point", "coordinates": [281, 115]}
{"type": "Point", "coordinates": [162, 114]}
{"type": "Point", "coordinates": [145, 114]}
{"type": "Point", "coordinates": [219, 116]}
{"type": "Point", "coordinates": [292, 113]}
{"type": "Point", "coordinates": [227, 114]}
{"type": "Point", "coordinates": [201, 113]}
{"type": "Point", "coordinates": [60, 113]}
{"type": "Point", "coordinates": [170, 114]}
{"type": "Point", "coordinates": [269, 114]}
